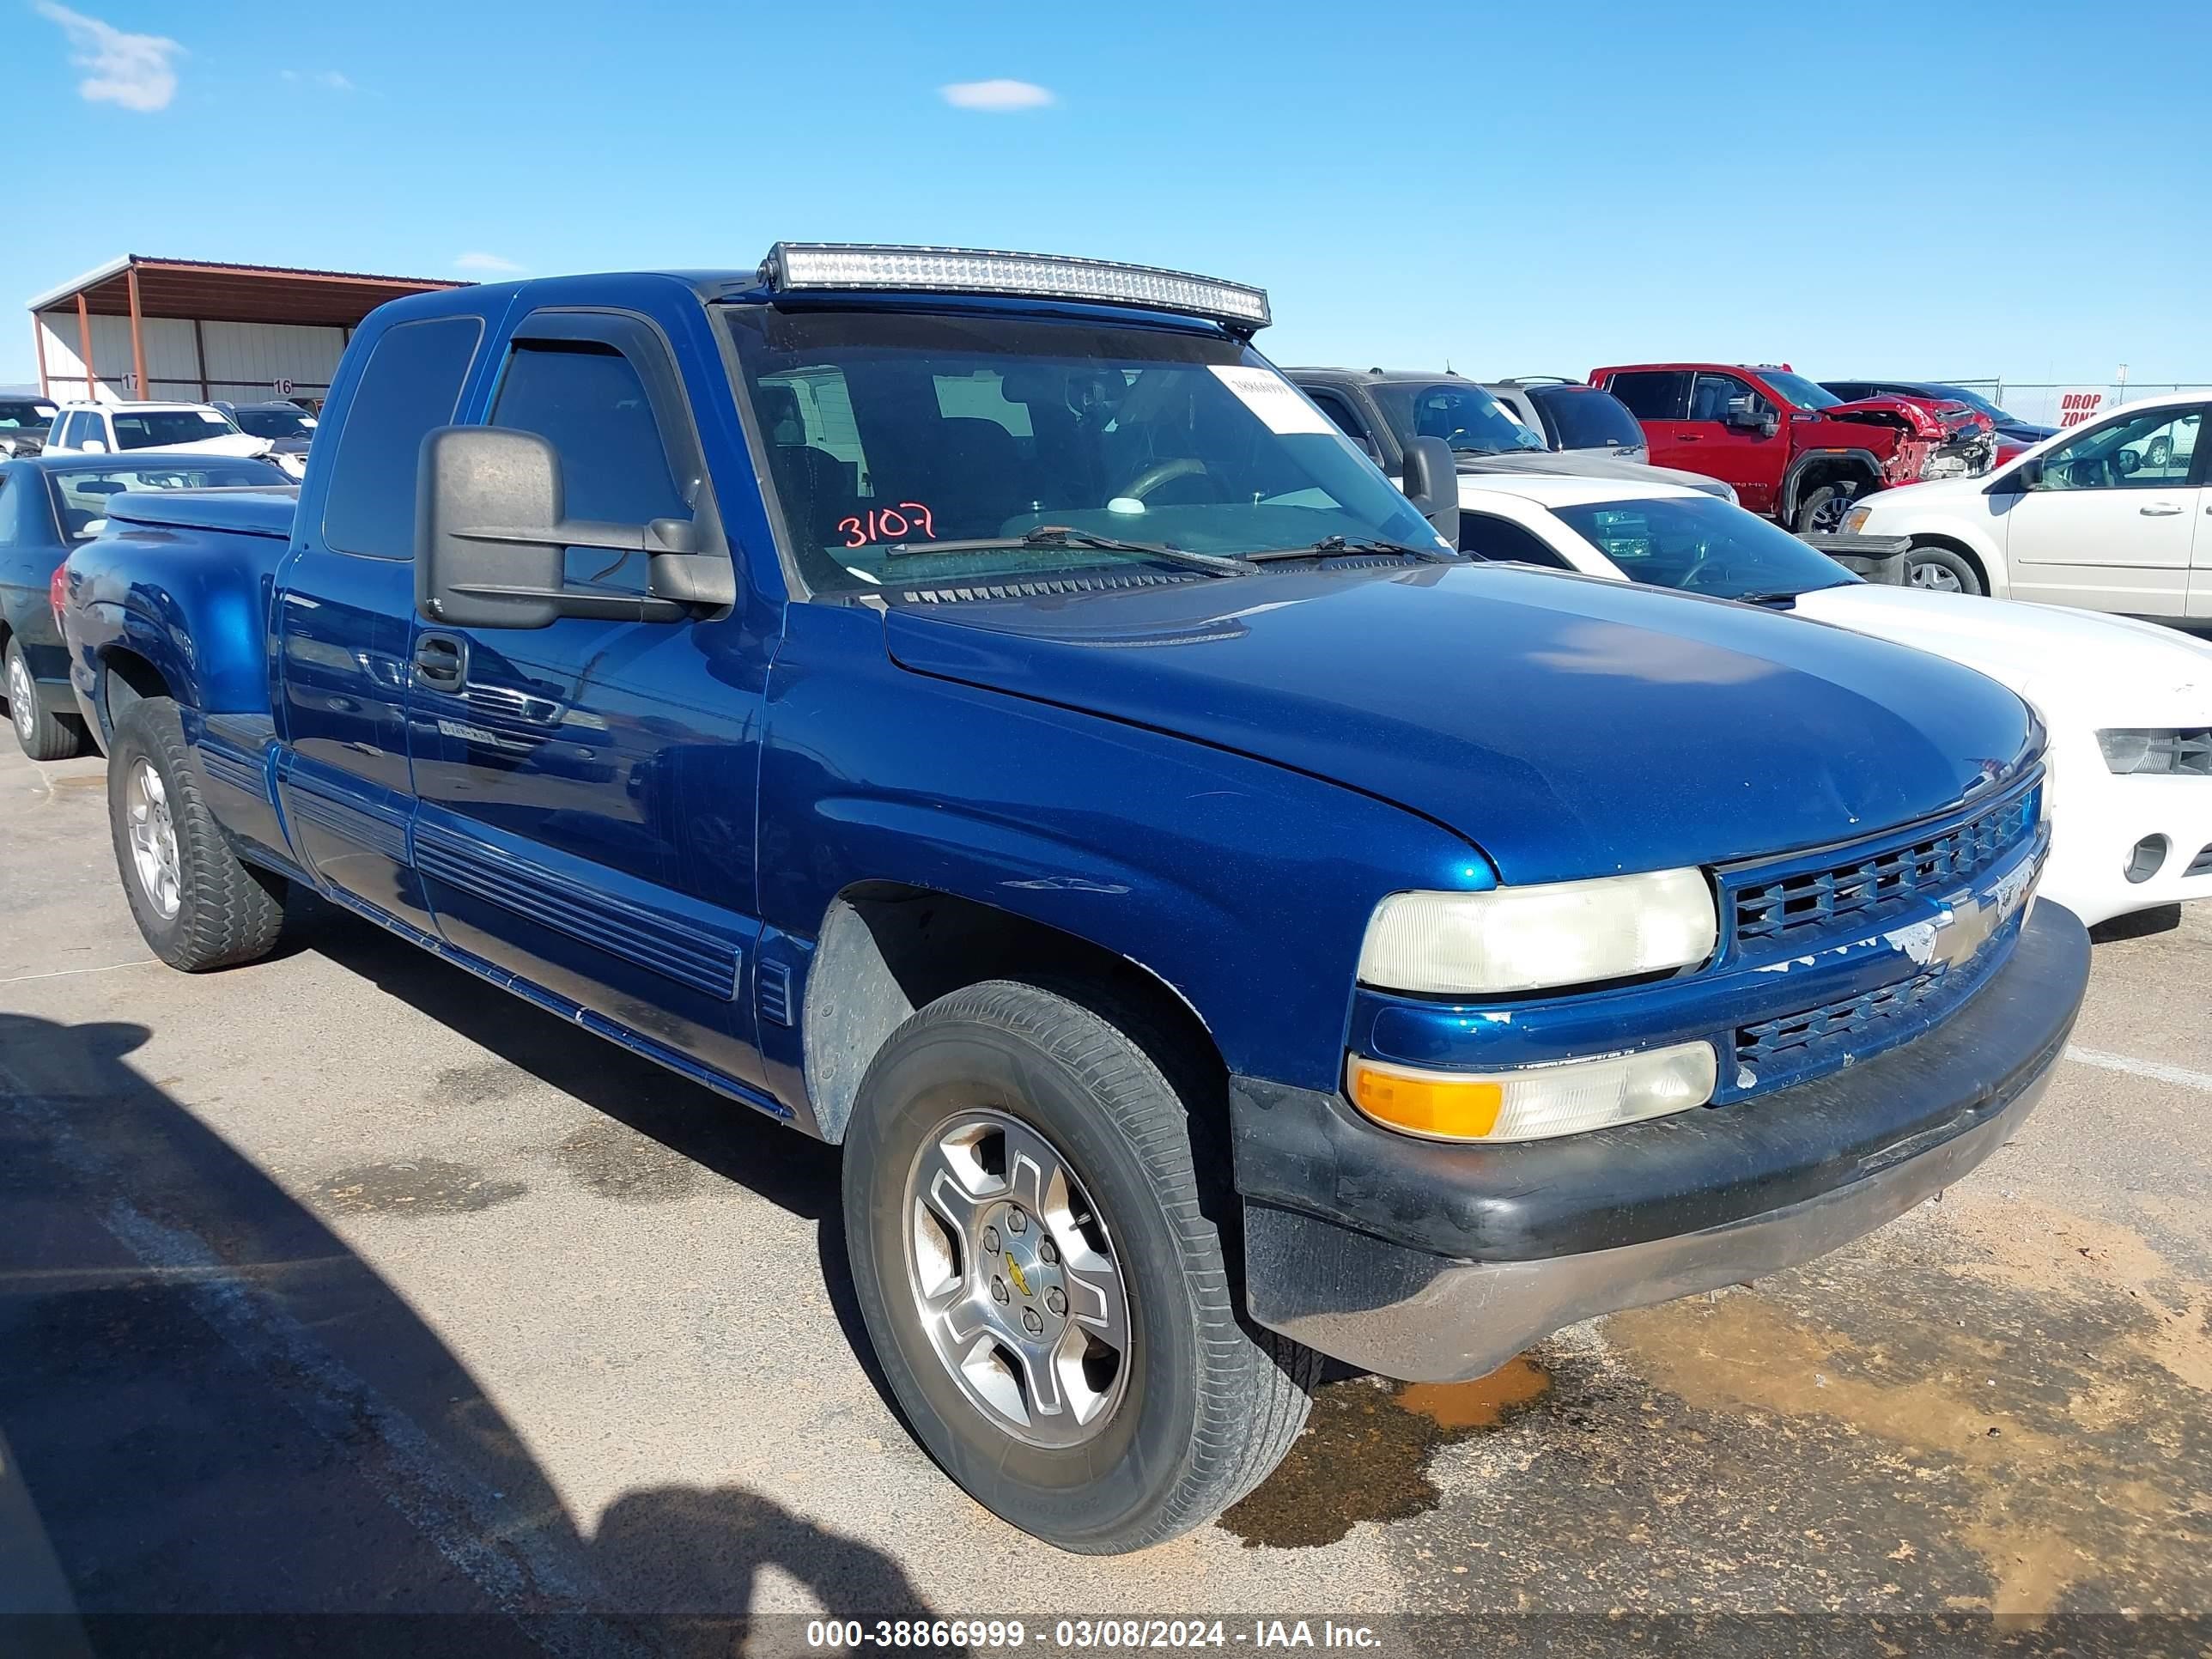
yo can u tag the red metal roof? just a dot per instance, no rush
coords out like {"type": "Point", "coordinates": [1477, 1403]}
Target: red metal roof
{"type": "Point", "coordinates": [221, 293]}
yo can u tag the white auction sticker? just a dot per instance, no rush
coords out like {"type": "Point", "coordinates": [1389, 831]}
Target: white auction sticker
{"type": "Point", "coordinates": [1278, 403]}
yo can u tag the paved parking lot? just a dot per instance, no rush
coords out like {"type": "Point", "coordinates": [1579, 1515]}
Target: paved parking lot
{"type": "Point", "coordinates": [343, 1282]}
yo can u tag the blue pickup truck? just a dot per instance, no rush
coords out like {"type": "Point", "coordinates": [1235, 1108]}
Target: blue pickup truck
{"type": "Point", "coordinates": [971, 708]}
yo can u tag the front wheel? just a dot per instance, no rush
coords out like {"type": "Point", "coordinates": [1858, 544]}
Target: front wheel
{"type": "Point", "coordinates": [1939, 570]}
{"type": "Point", "coordinates": [1822, 512]}
{"type": "Point", "coordinates": [198, 903]}
{"type": "Point", "coordinates": [1043, 1288]}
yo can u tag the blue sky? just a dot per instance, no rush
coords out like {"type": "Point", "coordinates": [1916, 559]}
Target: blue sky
{"type": "Point", "coordinates": [1963, 190]}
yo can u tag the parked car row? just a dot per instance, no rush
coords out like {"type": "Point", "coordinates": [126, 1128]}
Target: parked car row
{"type": "Point", "coordinates": [280, 432]}
{"type": "Point", "coordinates": [1230, 906]}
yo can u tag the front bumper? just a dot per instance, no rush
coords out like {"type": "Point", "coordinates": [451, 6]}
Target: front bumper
{"type": "Point", "coordinates": [1437, 1263]}
{"type": "Point", "coordinates": [2102, 821]}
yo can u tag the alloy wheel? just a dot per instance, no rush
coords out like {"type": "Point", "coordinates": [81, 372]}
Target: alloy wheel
{"type": "Point", "coordinates": [154, 840]}
{"type": "Point", "coordinates": [22, 698]}
{"type": "Point", "coordinates": [1936, 578]}
{"type": "Point", "coordinates": [1015, 1280]}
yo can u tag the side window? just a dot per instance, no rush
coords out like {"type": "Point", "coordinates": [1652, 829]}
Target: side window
{"type": "Point", "coordinates": [1712, 394]}
{"type": "Point", "coordinates": [411, 387]}
{"type": "Point", "coordinates": [81, 427]}
{"type": "Point", "coordinates": [131, 432]}
{"type": "Point", "coordinates": [1332, 404]}
{"type": "Point", "coordinates": [1653, 394]}
{"type": "Point", "coordinates": [1504, 541]}
{"type": "Point", "coordinates": [2154, 450]}
{"type": "Point", "coordinates": [589, 402]}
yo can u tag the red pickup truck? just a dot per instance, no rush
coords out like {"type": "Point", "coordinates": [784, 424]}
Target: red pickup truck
{"type": "Point", "coordinates": [1794, 451]}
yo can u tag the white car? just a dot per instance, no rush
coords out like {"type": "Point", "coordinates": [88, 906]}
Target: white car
{"type": "Point", "coordinates": [2112, 515]}
{"type": "Point", "coordinates": [2129, 704]}
{"type": "Point", "coordinates": [111, 428]}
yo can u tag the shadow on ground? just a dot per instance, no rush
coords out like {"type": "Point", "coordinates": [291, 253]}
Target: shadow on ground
{"type": "Point", "coordinates": [213, 1410]}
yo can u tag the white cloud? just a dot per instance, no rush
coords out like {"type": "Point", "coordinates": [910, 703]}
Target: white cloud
{"type": "Point", "coordinates": [330, 79]}
{"type": "Point", "coordinates": [134, 70]}
{"type": "Point", "coordinates": [486, 262]}
{"type": "Point", "coordinates": [997, 96]}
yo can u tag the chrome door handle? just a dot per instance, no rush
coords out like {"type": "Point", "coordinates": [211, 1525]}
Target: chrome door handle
{"type": "Point", "coordinates": [2158, 510]}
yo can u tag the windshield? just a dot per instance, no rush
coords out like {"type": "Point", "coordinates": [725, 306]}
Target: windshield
{"type": "Point", "coordinates": [27, 417]}
{"type": "Point", "coordinates": [1465, 417]}
{"type": "Point", "coordinates": [1798, 392]}
{"type": "Point", "coordinates": [885, 429]}
{"type": "Point", "coordinates": [158, 429]}
{"type": "Point", "coordinates": [274, 422]}
{"type": "Point", "coordinates": [81, 492]}
{"type": "Point", "coordinates": [1701, 544]}
{"type": "Point", "coordinates": [1582, 417]}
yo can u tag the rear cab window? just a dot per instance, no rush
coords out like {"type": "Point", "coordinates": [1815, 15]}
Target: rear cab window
{"type": "Point", "coordinates": [1653, 394]}
{"type": "Point", "coordinates": [410, 386]}
{"type": "Point", "coordinates": [1582, 417]}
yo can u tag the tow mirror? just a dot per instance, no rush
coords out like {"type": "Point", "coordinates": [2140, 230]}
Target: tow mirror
{"type": "Point", "coordinates": [1745, 416]}
{"type": "Point", "coordinates": [1431, 483]}
{"type": "Point", "coordinates": [492, 532]}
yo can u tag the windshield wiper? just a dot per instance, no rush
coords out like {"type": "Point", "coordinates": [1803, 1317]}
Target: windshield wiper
{"type": "Point", "coordinates": [1781, 597]}
{"type": "Point", "coordinates": [1060, 535]}
{"type": "Point", "coordinates": [1329, 545]}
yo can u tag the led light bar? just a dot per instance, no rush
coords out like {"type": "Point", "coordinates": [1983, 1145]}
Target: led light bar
{"type": "Point", "coordinates": [799, 266]}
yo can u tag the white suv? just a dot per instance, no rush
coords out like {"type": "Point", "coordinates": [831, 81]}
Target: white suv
{"type": "Point", "coordinates": [111, 429]}
{"type": "Point", "coordinates": [2109, 516]}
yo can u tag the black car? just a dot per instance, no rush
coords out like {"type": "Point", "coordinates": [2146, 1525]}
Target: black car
{"type": "Point", "coordinates": [2008, 426]}
{"type": "Point", "coordinates": [24, 423]}
{"type": "Point", "coordinates": [48, 504]}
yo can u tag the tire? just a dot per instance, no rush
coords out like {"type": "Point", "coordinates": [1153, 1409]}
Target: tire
{"type": "Point", "coordinates": [198, 905]}
{"type": "Point", "coordinates": [1821, 511]}
{"type": "Point", "coordinates": [1189, 1410]}
{"type": "Point", "coordinates": [44, 737]}
{"type": "Point", "coordinates": [1938, 569]}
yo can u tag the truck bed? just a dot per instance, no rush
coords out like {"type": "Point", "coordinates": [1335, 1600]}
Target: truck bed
{"type": "Point", "coordinates": [245, 509]}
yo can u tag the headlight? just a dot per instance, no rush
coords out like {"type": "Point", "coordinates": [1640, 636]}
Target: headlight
{"type": "Point", "coordinates": [1527, 938]}
{"type": "Point", "coordinates": [2133, 751]}
{"type": "Point", "coordinates": [1855, 520]}
{"type": "Point", "coordinates": [1533, 1102]}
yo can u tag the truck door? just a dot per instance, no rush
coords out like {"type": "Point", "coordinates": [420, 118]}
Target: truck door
{"type": "Point", "coordinates": [586, 790]}
{"type": "Point", "coordinates": [1745, 456]}
{"type": "Point", "coordinates": [345, 610]}
{"type": "Point", "coordinates": [2115, 520]}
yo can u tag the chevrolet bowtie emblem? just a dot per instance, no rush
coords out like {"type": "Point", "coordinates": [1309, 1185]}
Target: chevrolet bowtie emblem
{"type": "Point", "coordinates": [1967, 925]}
{"type": "Point", "coordinates": [1014, 1273]}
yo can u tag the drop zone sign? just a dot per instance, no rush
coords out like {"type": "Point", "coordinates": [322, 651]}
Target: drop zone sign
{"type": "Point", "coordinates": [2078, 404]}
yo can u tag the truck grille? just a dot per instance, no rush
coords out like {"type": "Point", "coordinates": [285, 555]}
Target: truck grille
{"type": "Point", "coordinates": [1793, 1046]}
{"type": "Point", "coordinates": [1881, 881]}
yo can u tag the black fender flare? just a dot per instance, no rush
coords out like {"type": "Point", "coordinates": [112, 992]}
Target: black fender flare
{"type": "Point", "coordinates": [1793, 481]}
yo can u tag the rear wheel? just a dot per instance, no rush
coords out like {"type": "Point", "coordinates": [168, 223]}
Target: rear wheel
{"type": "Point", "coordinates": [198, 903]}
{"type": "Point", "coordinates": [1042, 1285]}
{"type": "Point", "coordinates": [1940, 570]}
{"type": "Point", "coordinates": [44, 737]}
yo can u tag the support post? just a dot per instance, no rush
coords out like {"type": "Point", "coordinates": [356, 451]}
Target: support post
{"type": "Point", "coordinates": [137, 344]}
{"type": "Point", "coordinates": [84, 350]}
{"type": "Point", "coordinates": [199, 360]}
{"type": "Point", "coordinates": [38, 339]}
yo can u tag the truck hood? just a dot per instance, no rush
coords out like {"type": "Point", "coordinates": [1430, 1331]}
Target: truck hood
{"type": "Point", "coordinates": [2071, 664]}
{"type": "Point", "coordinates": [1567, 727]}
{"type": "Point", "coordinates": [1910, 418]}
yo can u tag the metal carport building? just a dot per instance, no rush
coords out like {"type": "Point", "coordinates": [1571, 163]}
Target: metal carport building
{"type": "Point", "coordinates": [189, 330]}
